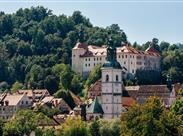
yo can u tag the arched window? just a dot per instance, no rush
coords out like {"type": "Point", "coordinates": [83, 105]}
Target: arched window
{"type": "Point", "coordinates": [107, 78]}
{"type": "Point", "coordinates": [117, 78]}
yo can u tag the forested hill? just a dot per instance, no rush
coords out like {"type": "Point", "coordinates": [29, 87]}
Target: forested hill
{"type": "Point", "coordinates": [34, 42]}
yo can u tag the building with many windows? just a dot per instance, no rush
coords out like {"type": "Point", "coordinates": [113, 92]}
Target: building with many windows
{"type": "Point", "coordinates": [86, 57]}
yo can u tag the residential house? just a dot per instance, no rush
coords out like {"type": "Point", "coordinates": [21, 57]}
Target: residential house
{"type": "Point", "coordinates": [9, 104]}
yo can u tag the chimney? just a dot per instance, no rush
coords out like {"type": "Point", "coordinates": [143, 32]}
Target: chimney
{"type": "Point", "coordinates": [56, 103]}
{"type": "Point", "coordinates": [6, 103]}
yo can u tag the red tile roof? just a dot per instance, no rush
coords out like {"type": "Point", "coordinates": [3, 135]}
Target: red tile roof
{"type": "Point", "coordinates": [81, 45]}
{"type": "Point", "coordinates": [151, 49]}
{"type": "Point", "coordinates": [127, 101]}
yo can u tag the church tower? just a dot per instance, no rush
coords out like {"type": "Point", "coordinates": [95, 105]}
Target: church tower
{"type": "Point", "coordinates": [111, 99]}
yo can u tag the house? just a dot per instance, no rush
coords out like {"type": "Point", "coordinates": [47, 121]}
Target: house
{"type": "Point", "coordinates": [9, 104]}
{"type": "Point", "coordinates": [35, 94]}
{"type": "Point", "coordinates": [140, 93]}
{"type": "Point", "coordinates": [94, 90]}
{"type": "Point", "coordinates": [57, 103]}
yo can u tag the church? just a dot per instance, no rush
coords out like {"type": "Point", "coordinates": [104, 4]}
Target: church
{"type": "Point", "coordinates": [109, 104]}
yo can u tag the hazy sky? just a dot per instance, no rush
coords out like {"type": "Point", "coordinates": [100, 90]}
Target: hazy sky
{"type": "Point", "coordinates": [140, 20]}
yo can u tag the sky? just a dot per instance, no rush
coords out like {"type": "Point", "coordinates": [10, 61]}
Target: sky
{"type": "Point", "coordinates": [141, 20]}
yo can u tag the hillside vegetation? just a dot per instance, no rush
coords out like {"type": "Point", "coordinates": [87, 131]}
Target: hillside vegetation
{"type": "Point", "coordinates": [35, 49]}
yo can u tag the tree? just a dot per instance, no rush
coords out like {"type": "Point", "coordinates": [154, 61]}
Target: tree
{"type": "Point", "coordinates": [66, 96]}
{"type": "Point", "coordinates": [24, 122]}
{"type": "Point", "coordinates": [76, 85]}
{"type": "Point", "coordinates": [148, 77]}
{"type": "Point", "coordinates": [94, 128]}
{"type": "Point", "coordinates": [1, 126]}
{"type": "Point", "coordinates": [94, 75]}
{"type": "Point", "coordinates": [3, 86]}
{"type": "Point", "coordinates": [36, 76]}
{"type": "Point", "coordinates": [45, 132]}
{"type": "Point", "coordinates": [47, 110]}
{"type": "Point", "coordinates": [149, 119]}
{"type": "Point", "coordinates": [51, 83]}
{"type": "Point", "coordinates": [74, 127]}
{"type": "Point", "coordinates": [16, 86]}
{"type": "Point", "coordinates": [177, 107]}
{"type": "Point", "coordinates": [110, 127]}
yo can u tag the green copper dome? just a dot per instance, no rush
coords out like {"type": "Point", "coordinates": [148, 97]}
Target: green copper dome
{"type": "Point", "coordinates": [112, 64]}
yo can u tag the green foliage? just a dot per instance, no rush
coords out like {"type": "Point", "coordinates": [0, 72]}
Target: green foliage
{"type": "Point", "coordinates": [94, 75]}
{"type": "Point", "coordinates": [68, 79]}
{"type": "Point", "coordinates": [24, 122]}
{"type": "Point", "coordinates": [173, 64]}
{"type": "Point", "coordinates": [47, 110]}
{"type": "Point", "coordinates": [45, 132]}
{"type": "Point", "coordinates": [94, 128]}
{"type": "Point", "coordinates": [16, 86]}
{"type": "Point", "coordinates": [177, 107]}
{"type": "Point", "coordinates": [74, 127]}
{"type": "Point", "coordinates": [110, 127]}
{"type": "Point", "coordinates": [149, 119]}
{"type": "Point", "coordinates": [66, 96]}
{"type": "Point", "coordinates": [148, 77]}
{"type": "Point", "coordinates": [33, 41]}
{"type": "Point", "coordinates": [4, 86]}
{"type": "Point", "coordinates": [1, 126]}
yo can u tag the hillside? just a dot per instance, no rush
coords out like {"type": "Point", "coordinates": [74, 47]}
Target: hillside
{"type": "Point", "coordinates": [34, 42]}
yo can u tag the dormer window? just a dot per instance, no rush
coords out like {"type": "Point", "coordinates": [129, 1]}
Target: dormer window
{"type": "Point", "coordinates": [107, 78]}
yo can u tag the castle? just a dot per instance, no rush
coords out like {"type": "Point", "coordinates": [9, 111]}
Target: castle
{"type": "Point", "coordinates": [86, 57]}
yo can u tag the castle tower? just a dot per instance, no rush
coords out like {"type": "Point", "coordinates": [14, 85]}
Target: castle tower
{"type": "Point", "coordinates": [79, 49]}
{"type": "Point", "coordinates": [111, 98]}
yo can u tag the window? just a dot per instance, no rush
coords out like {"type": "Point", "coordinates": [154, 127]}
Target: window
{"type": "Point", "coordinates": [106, 100]}
{"type": "Point", "coordinates": [117, 78]}
{"type": "Point", "coordinates": [73, 55]}
{"type": "Point", "coordinates": [100, 58]}
{"type": "Point", "coordinates": [85, 59]}
{"type": "Point", "coordinates": [94, 64]}
{"type": "Point", "coordinates": [97, 58]}
{"type": "Point", "coordinates": [89, 59]}
{"type": "Point", "coordinates": [126, 56]}
{"type": "Point", "coordinates": [122, 56]}
{"type": "Point", "coordinates": [89, 64]}
{"type": "Point", "coordinates": [106, 107]}
{"type": "Point", "coordinates": [107, 78]}
{"type": "Point", "coordinates": [22, 102]}
{"type": "Point", "coordinates": [125, 62]}
{"type": "Point", "coordinates": [86, 65]}
{"type": "Point", "coordinates": [130, 56]}
{"type": "Point", "coordinates": [26, 102]}
{"type": "Point", "coordinates": [119, 56]}
{"type": "Point", "coordinates": [132, 70]}
{"type": "Point", "coordinates": [94, 59]}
